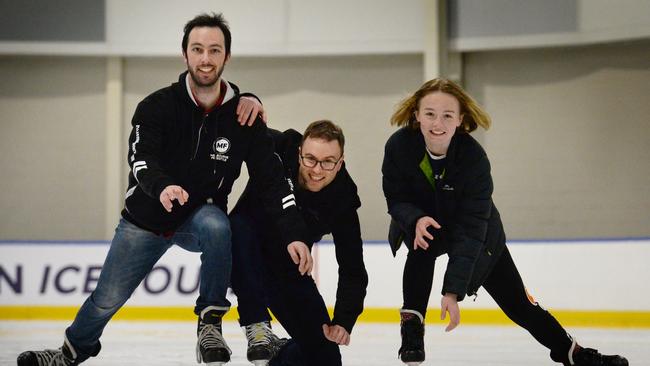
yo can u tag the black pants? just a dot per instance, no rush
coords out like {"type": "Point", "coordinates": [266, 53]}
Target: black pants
{"type": "Point", "coordinates": [301, 310]}
{"type": "Point", "coordinates": [264, 275]}
{"type": "Point", "coordinates": [505, 286]}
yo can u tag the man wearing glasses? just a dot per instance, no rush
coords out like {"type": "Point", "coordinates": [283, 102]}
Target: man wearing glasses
{"type": "Point", "coordinates": [327, 200]}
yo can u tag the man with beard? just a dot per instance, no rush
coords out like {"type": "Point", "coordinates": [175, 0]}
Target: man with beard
{"type": "Point", "coordinates": [185, 152]}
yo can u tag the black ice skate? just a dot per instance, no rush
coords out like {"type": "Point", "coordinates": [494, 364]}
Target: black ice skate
{"type": "Point", "coordinates": [64, 356]}
{"type": "Point", "coordinates": [591, 357]}
{"type": "Point", "coordinates": [211, 348]}
{"type": "Point", "coordinates": [263, 345]}
{"type": "Point", "coordinates": [412, 329]}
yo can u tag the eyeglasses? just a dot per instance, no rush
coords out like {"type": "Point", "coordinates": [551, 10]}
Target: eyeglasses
{"type": "Point", "coordinates": [310, 162]}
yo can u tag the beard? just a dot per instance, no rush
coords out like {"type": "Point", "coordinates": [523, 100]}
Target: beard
{"type": "Point", "coordinates": [207, 83]}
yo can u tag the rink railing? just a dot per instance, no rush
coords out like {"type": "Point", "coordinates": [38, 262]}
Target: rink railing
{"type": "Point", "coordinates": [585, 282]}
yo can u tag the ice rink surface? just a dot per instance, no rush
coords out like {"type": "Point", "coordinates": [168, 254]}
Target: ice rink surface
{"type": "Point", "coordinates": [173, 343]}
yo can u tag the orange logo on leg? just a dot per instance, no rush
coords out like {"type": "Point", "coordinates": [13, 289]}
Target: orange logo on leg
{"type": "Point", "coordinates": [530, 297]}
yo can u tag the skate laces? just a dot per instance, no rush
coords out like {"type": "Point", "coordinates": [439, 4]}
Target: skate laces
{"type": "Point", "coordinates": [52, 357]}
{"type": "Point", "coordinates": [259, 334]}
{"type": "Point", "coordinates": [60, 359]}
{"type": "Point", "coordinates": [210, 337]}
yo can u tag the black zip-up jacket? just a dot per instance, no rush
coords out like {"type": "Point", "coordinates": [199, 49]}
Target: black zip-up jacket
{"type": "Point", "coordinates": [472, 233]}
{"type": "Point", "coordinates": [331, 210]}
{"type": "Point", "coordinates": [174, 142]}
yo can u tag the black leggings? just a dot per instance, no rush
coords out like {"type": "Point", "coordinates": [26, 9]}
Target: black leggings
{"type": "Point", "coordinates": [505, 286]}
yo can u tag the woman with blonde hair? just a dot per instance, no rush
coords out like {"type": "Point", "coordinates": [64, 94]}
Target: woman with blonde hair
{"type": "Point", "coordinates": [438, 187]}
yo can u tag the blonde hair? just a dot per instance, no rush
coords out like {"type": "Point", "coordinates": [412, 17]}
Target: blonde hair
{"type": "Point", "coordinates": [473, 113]}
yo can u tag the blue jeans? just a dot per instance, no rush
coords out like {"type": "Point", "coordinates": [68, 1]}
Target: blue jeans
{"type": "Point", "coordinates": [131, 257]}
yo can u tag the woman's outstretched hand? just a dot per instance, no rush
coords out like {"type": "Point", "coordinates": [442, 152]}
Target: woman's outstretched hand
{"type": "Point", "coordinates": [449, 304]}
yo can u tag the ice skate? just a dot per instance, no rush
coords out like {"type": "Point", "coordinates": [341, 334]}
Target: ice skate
{"type": "Point", "coordinates": [591, 357]}
{"type": "Point", "coordinates": [263, 345]}
{"type": "Point", "coordinates": [64, 356]}
{"type": "Point", "coordinates": [412, 329]}
{"type": "Point", "coordinates": [211, 348]}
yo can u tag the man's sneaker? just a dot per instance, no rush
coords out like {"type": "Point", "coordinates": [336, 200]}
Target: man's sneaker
{"type": "Point", "coordinates": [591, 357]}
{"type": "Point", "coordinates": [64, 356]}
{"type": "Point", "coordinates": [263, 345]}
{"type": "Point", "coordinates": [412, 329]}
{"type": "Point", "coordinates": [211, 348]}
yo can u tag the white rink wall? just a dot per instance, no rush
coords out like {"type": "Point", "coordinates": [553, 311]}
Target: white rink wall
{"type": "Point", "coordinates": [568, 275]}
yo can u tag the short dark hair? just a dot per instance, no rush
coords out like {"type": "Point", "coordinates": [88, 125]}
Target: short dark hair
{"type": "Point", "coordinates": [207, 20]}
{"type": "Point", "coordinates": [326, 130]}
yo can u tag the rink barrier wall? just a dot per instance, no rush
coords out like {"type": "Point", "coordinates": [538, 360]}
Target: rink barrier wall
{"type": "Point", "coordinates": [581, 280]}
{"type": "Point", "coordinates": [602, 319]}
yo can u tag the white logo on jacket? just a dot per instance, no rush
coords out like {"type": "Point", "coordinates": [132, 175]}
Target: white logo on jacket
{"type": "Point", "coordinates": [220, 147]}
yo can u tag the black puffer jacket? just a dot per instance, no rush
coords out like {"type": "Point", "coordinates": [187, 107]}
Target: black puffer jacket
{"type": "Point", "coordinates": [472, 233]}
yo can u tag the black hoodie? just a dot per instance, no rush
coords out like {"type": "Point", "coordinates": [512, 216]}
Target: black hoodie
{"type": "Point", "coordinates": [333, 210]}
{"type": "Point", "coordinates": [176, 142]}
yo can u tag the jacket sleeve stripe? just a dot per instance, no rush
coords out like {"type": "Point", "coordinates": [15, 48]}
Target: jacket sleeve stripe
{"type": "Point", "coordinates": [130, 192]}
{"type": "Point", "coordinates": [289, 204]}
{"type": "Point", "coordinates": [290, 197]}
{"type": "Point", "coordinates": [137, 166]}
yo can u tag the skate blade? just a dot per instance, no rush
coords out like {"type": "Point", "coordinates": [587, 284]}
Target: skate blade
{"type": "Point", "coordinates": [217, 363]}
{"type": "Point", "coordinates": [413, 363]}
{"type": "Point", "coordinates": [260, 362]}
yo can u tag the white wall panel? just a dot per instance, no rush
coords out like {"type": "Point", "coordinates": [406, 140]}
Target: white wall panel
{"type": "Point", "coordinates": [260, 28]}
{"type": "Point", "coordinates": [52, 153]}
{"type": "Point", "coordinates": [341, 26]}
{"type": "Point", "coordinates": [156, 27]}
{"type": "Point", "coordinates": [318, 27]}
